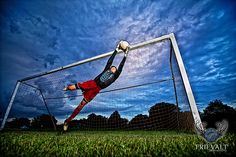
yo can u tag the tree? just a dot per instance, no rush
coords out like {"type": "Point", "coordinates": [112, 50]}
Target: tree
{"type": "Point", "coordinates": [138, 122]}
{"type": "Point", "coordinates": [217, 111]}
{"type": "Point", "coordinates": [18, 123]}
{"type": "Point", "coordinates": [217, 106]}
{"type": "Point", "coordinates": [115, 121]}
{"type": "Point", "coordinates": [96, 121]}
{"type": "Point", "coordinates": [74, 124]}
{"type": "Point", "coordinates": [43, 121]}
{"type": "Point", "coordinates": [163, 116]}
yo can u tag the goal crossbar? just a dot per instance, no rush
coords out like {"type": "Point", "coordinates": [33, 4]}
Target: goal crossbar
{"type": "Point", "coordinates": [171, 37]}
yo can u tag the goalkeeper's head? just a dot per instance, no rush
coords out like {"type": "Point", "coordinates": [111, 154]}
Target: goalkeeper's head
{"type": "Point", "coordinates": [113, 69]}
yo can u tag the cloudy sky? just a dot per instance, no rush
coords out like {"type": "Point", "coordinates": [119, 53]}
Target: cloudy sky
{"type": "Point", "coordinates": [40, 35]}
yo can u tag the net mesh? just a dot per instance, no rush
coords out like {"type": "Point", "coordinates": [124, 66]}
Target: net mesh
{"type": "Point", "coordinates": [143, 97]}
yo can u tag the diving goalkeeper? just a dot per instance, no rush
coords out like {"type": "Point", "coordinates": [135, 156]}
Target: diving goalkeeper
{"type": "Point", "coordinates": [92, 87]}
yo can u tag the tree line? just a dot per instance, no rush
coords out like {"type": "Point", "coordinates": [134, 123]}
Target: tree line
{"type": "Point", "coordinates": [161, 116]}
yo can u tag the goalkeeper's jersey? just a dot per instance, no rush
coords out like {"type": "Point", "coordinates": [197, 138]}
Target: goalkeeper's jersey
{"type": "Point", "coordinates": [106, 78]}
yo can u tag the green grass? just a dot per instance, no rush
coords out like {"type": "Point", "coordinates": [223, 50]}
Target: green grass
{"type": "Point", "coordinates": [108, 143]}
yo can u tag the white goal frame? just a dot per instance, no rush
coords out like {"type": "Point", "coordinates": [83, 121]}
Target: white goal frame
{"type": "Point", "coordinates": [183, 73]}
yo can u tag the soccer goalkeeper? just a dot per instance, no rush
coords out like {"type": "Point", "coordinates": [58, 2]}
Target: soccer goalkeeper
{"type": "Point", "coordinates": [92, 87]}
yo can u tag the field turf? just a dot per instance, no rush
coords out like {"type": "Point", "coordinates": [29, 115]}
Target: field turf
{"type": "Point", "coordinates": [109, 143]}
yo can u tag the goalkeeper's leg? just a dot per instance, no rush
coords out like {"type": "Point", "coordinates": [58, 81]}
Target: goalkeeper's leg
{"type": "Point", "coordinates": [75, 112]}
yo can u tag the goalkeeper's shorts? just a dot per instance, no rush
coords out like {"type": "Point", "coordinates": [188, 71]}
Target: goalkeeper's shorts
{"type": "Point", "coordinates": [90, 89]}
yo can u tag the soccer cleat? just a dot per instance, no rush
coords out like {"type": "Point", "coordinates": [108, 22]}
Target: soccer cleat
{"type": "Point", "coordinates": [65, 126]}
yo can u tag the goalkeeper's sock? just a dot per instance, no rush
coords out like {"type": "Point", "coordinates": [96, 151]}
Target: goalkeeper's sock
{"type": "Point", "coordinates": [76, 111]}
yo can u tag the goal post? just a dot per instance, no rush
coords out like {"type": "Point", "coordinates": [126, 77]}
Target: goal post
{"type": "Point", "coordinates": [186, 82]}
{"type": "Point", "coordinates": [180, 64]}
{"type": "Point", "coordinates": [12, 100]}
{"type": "Point", "coordinates": [10, 104]}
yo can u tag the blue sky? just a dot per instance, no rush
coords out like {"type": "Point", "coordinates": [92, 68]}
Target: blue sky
{"type": "Point", "coordinates": [40, 35]}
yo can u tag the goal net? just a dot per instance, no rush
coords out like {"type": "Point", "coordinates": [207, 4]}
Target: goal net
{"type": "Point", "coordinates": [152, 93]}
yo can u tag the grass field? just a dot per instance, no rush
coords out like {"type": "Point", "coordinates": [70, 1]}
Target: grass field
{"type": "Point", "coordinates": [108, 143]}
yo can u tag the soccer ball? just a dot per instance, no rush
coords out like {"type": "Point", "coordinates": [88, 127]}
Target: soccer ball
{"type": "Point", "coordinates": [124, 45]}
